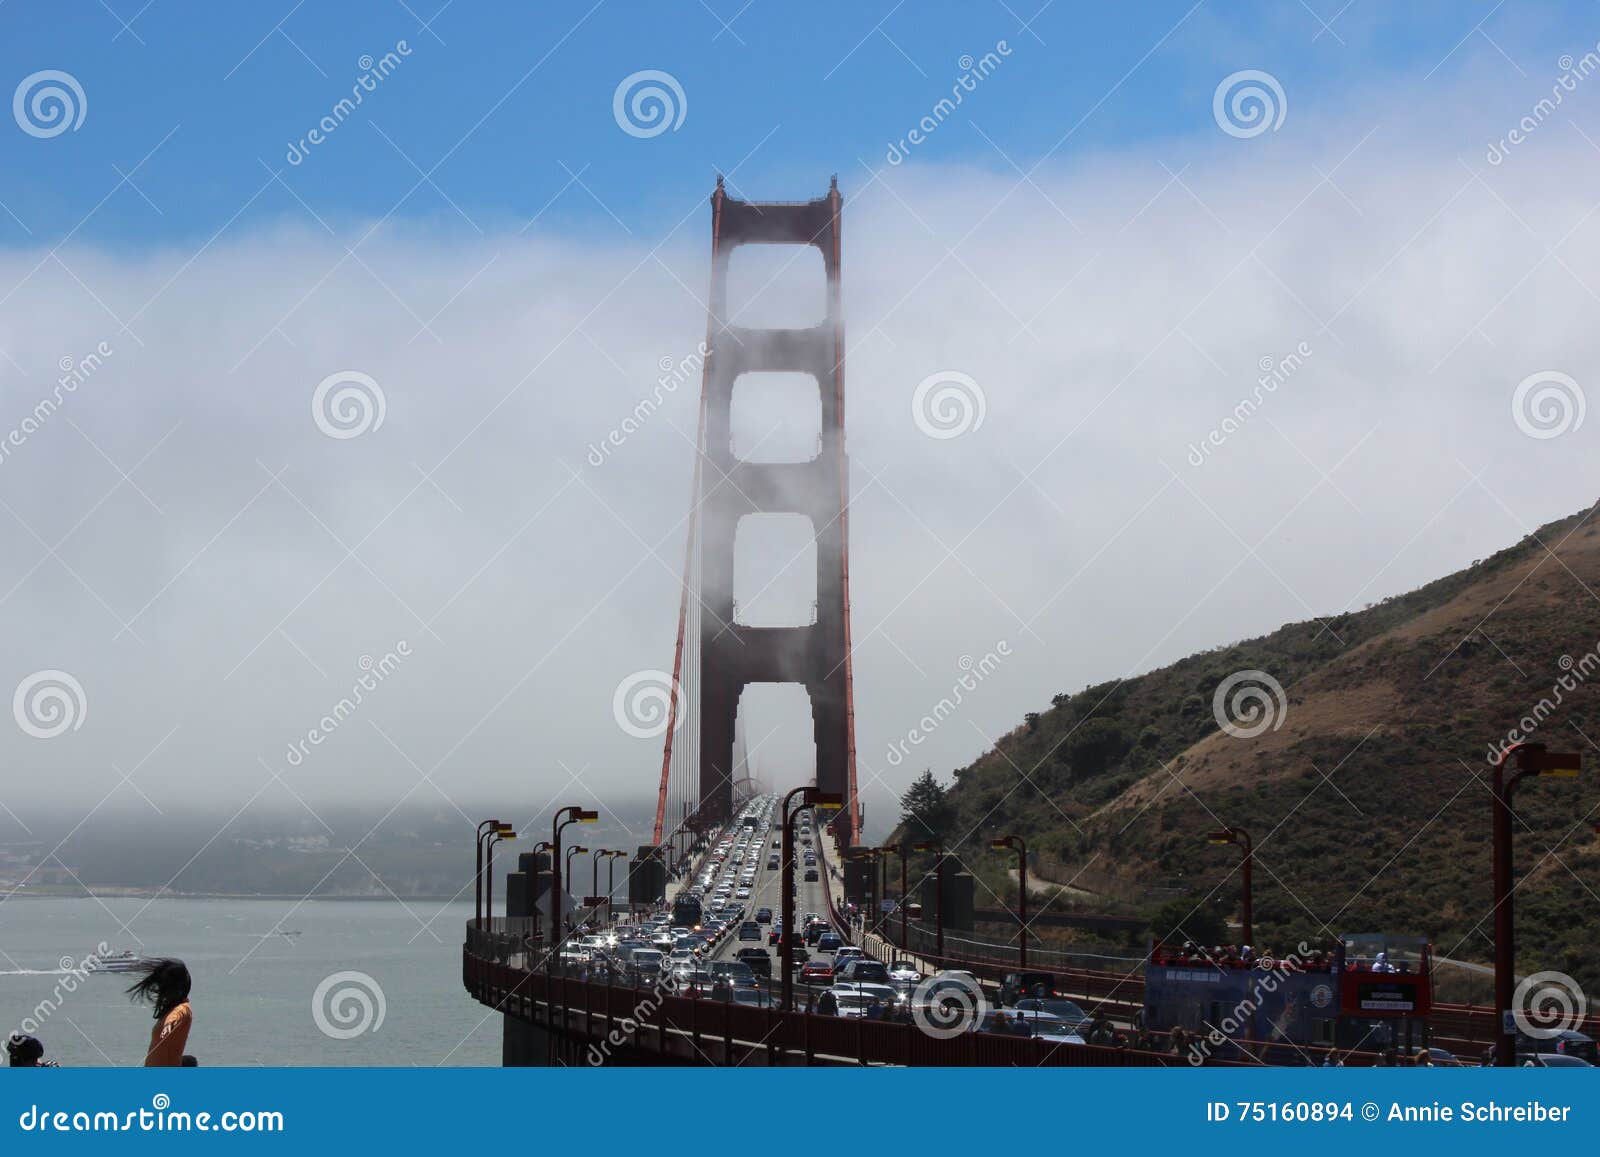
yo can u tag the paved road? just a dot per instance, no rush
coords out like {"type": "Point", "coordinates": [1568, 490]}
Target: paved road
{"type": "Point", "coordinates": [768, 893]}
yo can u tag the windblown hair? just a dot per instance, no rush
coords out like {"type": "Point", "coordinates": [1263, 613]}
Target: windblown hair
{"type": "Point", "coordinates": [164, 984]}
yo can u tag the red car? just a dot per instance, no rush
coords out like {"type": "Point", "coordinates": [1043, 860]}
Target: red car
{"type": "Point", "coordinates": [816, 972]}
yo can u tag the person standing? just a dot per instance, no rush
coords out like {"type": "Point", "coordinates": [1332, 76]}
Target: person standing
{"type": "Point", "coordinates": [165, 986]}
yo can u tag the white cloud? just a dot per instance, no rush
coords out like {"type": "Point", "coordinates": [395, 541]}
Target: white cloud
{"type": "Point", "coordinates": [528, 582]}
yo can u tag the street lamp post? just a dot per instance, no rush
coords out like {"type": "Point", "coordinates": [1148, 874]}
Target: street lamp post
{"type": "Point", "coordinates": [575, 850]}
{"type": "Point", "coordinates": [1531, 759]}
{"type": "Point", "coordinates": [495, 836]}
{"type": "Point", "coordinates": [1017, 843]}
{"type": "Point", "coordinates": [810, 797]}
{"type": "Point", "coordinates": [1241, 839]}
{"type": "Point", "coordinates": [938, 908]}
{"type": "Point", "coordinates": [867, 856]}
{"type": "Point", "coordinates": [611, 880]}
{"type": "Point", "coordinates": [563, 817]}
{"type": "Point", "coordinates": [901, 851]}
{"type": "Point", "coordinates": [594, 883]}
{"type": "Point", "coordinates": [477, 900]}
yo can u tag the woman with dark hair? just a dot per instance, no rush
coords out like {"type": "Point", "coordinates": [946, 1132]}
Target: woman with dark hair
{"type": "Point", "coordinates": [165, 986]}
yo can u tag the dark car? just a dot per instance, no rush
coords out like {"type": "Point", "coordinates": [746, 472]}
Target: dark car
{"type": "Point", "coordinates": [749, 930]}
{"type": "Point", "coordinates": [829, 942]}
{"type": "Point", "coordinates": [860, 970]}
{"type": "Point", "coordinates": [763, 915]}
{"type": "Point", "coordinates": [1566, 1043]}
{"type": "Point", "coordinates": [1057, 1006]}
{"type": "Point", "coordinates": [1019, 984]}
{"type": "Point", "coordinates": [773, 935]}
{"type": "Point", "coordinates": [760, 963]}
{"type": "Point", "coordinates": [811, 875]}
{"type": "Point", "coordinates": [814, 933]}
{"type": "Point", "coordinates": [736, 972]}
{"type": "Point", "coordinates": [1551, 1061]}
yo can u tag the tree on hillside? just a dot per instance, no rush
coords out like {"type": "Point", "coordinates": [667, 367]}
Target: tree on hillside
{"type": "Point", "coordinates": [1179, 920]}
{"type": "Point", "coordinates": [926, 812]}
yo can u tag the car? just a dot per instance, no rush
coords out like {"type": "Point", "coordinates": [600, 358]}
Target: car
{"type": "Point", "coordinates": [752, 997]}
{"type": "Point", "coordinates": [1044, 1026]}
{"type": "Point", "coordinates": [829, 942]}
{"type": "Point", "coordinates": [1019, 984]}
{"type": "Point", "coordinates": [757, 960]}
{"type": "Point", "coordinates": [811, 876]}
{"type": "Point", "coordinates": [763, 915]}
{"type": "Point", "coordinates": [1056, 1006]}
{"type": "Point", "coordinates": [846, 952]}
{"type": "Point", "coordinates": [814, 933]}
{"type": "Point", "coordinates": [1567, 1042]}
{"type": "Point", "coordinates": [774, 934]}
{"type": "Point", "coordinates": [904, 972]}
{"type": "Point", "coordinates": [816, 972]}
{"type": "Point", "coordinates": [749, 930]}
{"type": "Point", "coordinates": [858, 970]}
{"type": "Point", "coordinates": [772, 863]}
{"type": "Point", "coordinates": [1551, 1061]}
{"type": "Point", "coordinates": [735, 972]}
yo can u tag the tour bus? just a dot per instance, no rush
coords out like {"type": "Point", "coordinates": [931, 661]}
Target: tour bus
{"type": "Point", "coordinates": [1368, 993]}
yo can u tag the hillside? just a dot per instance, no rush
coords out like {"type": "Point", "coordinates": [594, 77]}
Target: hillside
{"type": "Point", "coordinates": [1368, 801]}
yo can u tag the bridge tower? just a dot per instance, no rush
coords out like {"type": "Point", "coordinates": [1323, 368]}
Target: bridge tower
{"type": "Point", "coordinates": [817, 655]}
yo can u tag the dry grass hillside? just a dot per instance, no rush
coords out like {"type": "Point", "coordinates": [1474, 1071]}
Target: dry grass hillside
{"type": "Point", "coordinates": [1368, 798]}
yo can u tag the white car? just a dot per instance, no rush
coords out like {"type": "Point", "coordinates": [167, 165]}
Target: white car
{"type": "Point", "coordinates": [904, 972]}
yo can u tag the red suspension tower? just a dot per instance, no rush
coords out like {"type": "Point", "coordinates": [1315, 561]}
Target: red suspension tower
{"type": "Point", "coordinates": [730, 656]}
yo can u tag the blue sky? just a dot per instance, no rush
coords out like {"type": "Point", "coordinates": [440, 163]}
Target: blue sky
{"type": "Point", "coordinates": [1083, 246]}
{"type": "Point", "coordinates": [508, 107]}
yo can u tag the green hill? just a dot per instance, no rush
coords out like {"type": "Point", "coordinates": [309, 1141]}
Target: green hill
{"type": "Point", "coordinates": [1367, 794]}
